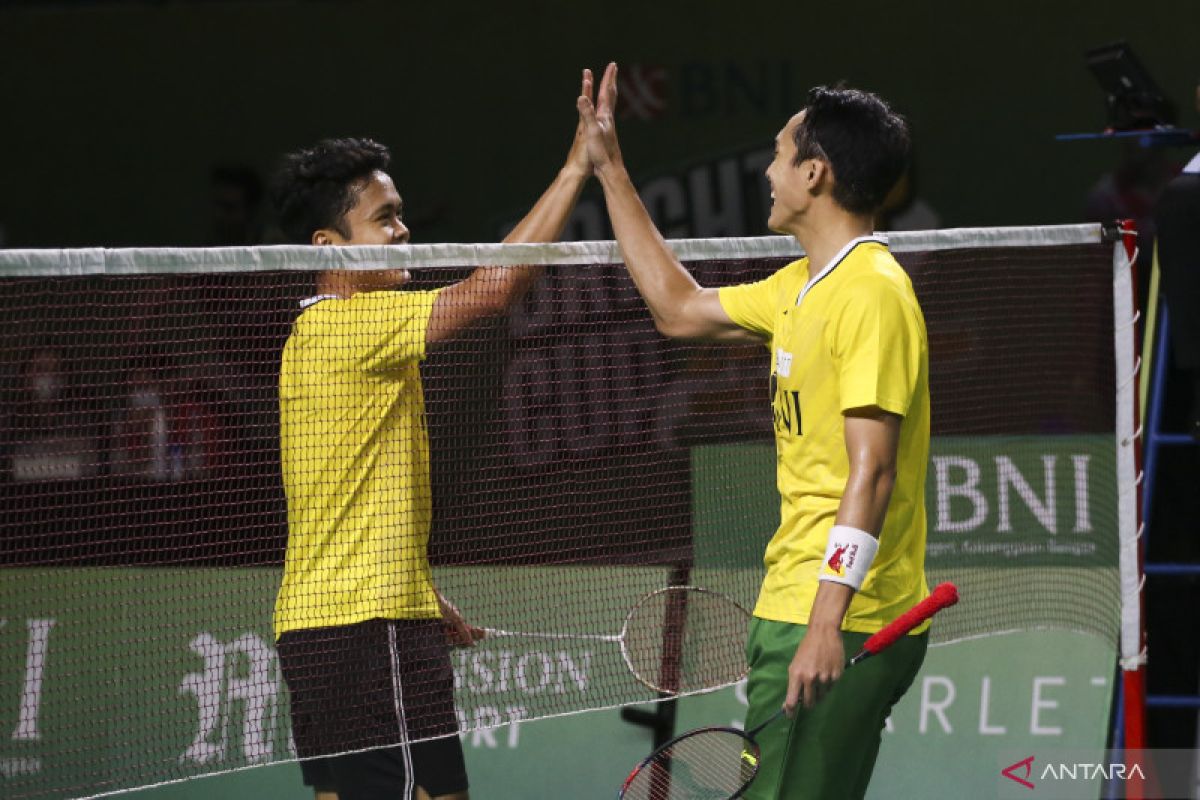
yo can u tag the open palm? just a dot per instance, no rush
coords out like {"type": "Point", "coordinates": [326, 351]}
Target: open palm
{"type": "Point", "coordinates": [596, 119]}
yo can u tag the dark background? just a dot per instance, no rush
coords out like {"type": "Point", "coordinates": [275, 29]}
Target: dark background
{"type": "Point", "coordinates": [116, 112]}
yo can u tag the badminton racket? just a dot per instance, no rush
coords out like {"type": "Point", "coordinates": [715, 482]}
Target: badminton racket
{"type": "Point", "coordinates": [674, 640]}
{"type": "Point", "coordinates": [718, 763]}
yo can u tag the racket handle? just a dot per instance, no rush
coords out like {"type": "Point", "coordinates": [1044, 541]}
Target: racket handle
{"type": "Point", "coordinates": [943, 596]}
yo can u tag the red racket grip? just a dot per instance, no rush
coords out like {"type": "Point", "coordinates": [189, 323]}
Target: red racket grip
{"type": "Point", "coordinates": [946, 594]}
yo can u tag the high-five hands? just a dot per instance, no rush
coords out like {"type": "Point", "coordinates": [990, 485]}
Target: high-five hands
{"type": "Point", "coordinates": [578, 161]}
{"type": "Point", "coordinates": [596, 121]}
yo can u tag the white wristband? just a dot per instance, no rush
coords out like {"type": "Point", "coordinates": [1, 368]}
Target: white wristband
{"type": "Point", "coordinates": [848, 556]}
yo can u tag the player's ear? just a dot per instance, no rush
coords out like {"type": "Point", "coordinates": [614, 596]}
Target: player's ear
{"type": "Point", "coordinates": [323, 236]}
{"type": "Point", "coordinates": [815, 172]}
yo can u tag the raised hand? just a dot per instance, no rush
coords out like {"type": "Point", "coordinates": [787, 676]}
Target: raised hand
{"type": "Point", "coordinates": [577, 158]}
{"type": "Point", "coordinates": [596, 120]}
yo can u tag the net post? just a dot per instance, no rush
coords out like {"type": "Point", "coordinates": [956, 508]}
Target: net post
{"type": "Point", "coordinates": [1129, 465]}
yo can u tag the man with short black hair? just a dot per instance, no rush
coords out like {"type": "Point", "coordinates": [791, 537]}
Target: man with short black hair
{"type": "Point", "coordinates": [850, 398]}
{"type": "Point", "coordinates": [362, 632]}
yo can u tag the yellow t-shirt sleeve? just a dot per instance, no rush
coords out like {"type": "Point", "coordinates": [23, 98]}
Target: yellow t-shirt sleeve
{"type": "Point", "coordinates": [388, 328]}
{"type": "Point", "coordinates": [876, 344]}
{"type": "Point", "coordinates": [752, 305]}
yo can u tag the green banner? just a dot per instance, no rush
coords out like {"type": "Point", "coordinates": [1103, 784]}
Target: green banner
{"type": "Point", "coordinates": [991, 501]}
{"type": "Point", "coordinates": [102, 700]}
{"type": "Point", "coordinates": [972, 705]}
{"type": "Point", "coordinates": [111, 678]}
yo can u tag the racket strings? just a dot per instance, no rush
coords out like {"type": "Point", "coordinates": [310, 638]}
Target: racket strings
{"type": "Point", "coordinates": [685, 639]}
{"type": "Point", "coordinates": [712, 764]}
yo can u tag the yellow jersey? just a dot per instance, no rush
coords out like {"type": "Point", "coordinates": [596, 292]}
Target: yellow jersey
{"type": "Point", "coordinates": [355, 457]}
{"type": "Point", "coordinates": [853, 336]}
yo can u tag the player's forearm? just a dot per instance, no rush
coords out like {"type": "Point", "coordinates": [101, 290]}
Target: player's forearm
{"type": "Point", "coordinates": [662, 281]}
{"type": "Point", "coordinates": [544, 223]}
{"type": "Point", "coordinates": [864, 506]}
{"type": "Point", "coordinates": [866, 496]}
{"type": "Point", "coordinates": [829, 606]}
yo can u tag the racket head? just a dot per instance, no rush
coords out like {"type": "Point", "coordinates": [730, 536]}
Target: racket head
{"type": "Point", "coordinates": [683, 639]}
{"type": "Point", "coordinates": [704, 764]}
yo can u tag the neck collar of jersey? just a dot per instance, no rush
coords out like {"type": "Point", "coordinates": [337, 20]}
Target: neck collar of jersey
{"type": "Point", "coordinates": [877, 238]}
{"type": "Point", "coordinates": [312, 301]}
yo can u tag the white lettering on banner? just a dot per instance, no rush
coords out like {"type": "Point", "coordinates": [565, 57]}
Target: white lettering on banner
{"type": "Point", "coordinates": [985, 699]}
{"type": "Point", "coordinates": [938, 707]}
{"type": "Point", "coordinates": [529, 673]}
{"type": "Point", "coordinates": [1083, 516]}
{"type": "Point", "coordinates": [515, 714]}
{"type": "Point", "coordinates": [206, 686]}
{"type": "Point", "coordinates": [505, 669]}
{"type": "Point", "coordinates": [579, 675]}
{"type": "Point", "coordinates": [543, 669]}
{"type": "Point", "coordinates": [961, 477]}
{"type": "Point", "coordinates": [968, 489]}
{"type": "Point", "coordinates": [37, 651]}
{"type": "Point", "coordinates": [21, 765]}
{"type": "Point", "coordinates": [244, 672]}
{"type": "Point", "coordinates": [482, 675]}
{"type": "Point", "coordinates": [487, 722]}
{"type": "Point", "coordinates": [486, 718]}
{"type": "Point", "coordinates": [1007, 475]}
{"type": "Point", "coordinates": [29, 705]}
{"type": "Point", "coordinates": [256, 691]}
{"type": "Point", "coordinates": [939, 694]}
{"type": "Point", "coordinates": [1035, 720]}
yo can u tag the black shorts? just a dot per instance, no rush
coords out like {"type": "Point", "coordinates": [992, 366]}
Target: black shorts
{"type": "Point", "coordinates": [437, 767]}
{"type": "Point", "coordinates": [375, 684]}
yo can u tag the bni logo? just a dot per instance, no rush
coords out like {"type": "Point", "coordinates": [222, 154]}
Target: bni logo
{"type": "Point", "coordinates": [643, 91]}
{"type": "Point", "coordinates": [1025, 766]}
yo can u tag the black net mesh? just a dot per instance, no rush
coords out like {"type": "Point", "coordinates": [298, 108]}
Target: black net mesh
{"type": "Point", "coordinates": [579, 461]}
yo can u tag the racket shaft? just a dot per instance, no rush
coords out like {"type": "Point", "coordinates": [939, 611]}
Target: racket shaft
{"type": "Point", "coordinates": [757, 729]}
{"type": "Point", "coordinates": [592, 637]}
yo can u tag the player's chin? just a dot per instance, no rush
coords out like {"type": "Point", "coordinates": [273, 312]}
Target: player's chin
{"type": "Point", "coordinates": [781, 219]}
{"type": "Point", "coordinates": [395, 278]}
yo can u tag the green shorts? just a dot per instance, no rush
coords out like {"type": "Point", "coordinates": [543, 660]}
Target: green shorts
{"type": "Point", "coordinates": [828, 751]}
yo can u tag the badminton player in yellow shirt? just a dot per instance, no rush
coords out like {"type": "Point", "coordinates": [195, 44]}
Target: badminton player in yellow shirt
{"type": "Point", "coordinates": [360, 629]}
{"type": "Point", "coordinates": [850, 400]}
